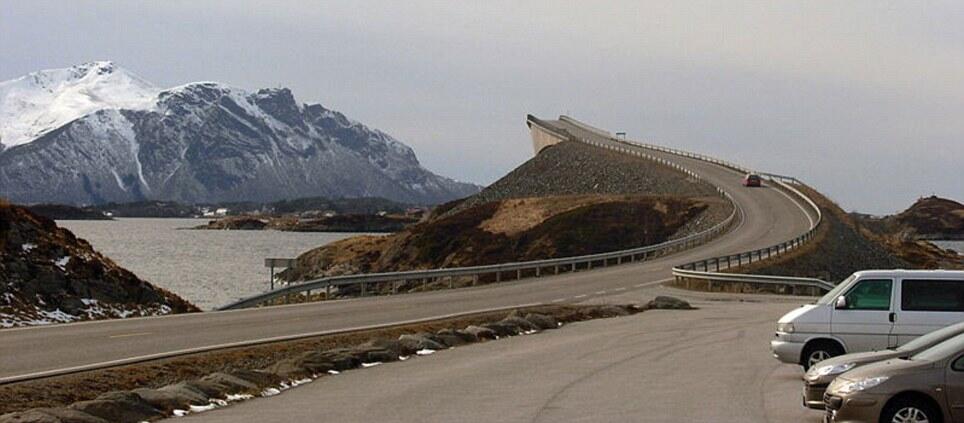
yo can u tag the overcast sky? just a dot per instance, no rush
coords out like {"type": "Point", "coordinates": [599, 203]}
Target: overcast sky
{"type": "Point", "coordinates": [862, 99]}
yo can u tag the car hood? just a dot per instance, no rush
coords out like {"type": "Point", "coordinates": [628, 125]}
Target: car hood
{"type": "Point", "coordinates": [794, 315]}
{"type": "Point", "coordinates": [859, 359]}
{"type": "Point", "coordinates": [891, 367]}
{"type": "Point", "coordinates": [862, 358]}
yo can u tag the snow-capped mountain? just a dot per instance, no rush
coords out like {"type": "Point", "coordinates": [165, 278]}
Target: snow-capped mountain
{"type": "Point", "coordinates": [97, 133]}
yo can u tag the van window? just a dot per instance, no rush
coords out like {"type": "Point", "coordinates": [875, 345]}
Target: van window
{"type": "Point", "coordinates": [870, 294]}
{"type": "Point", "coordinates": [932, 295]}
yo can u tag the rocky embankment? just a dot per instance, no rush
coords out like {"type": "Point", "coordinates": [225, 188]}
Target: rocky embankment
{"type": "Point", "coordinates": [338, 223]}
{"type": "Point", "coordinates": [571, 199]}
{"type": "Point", "coordinates": [929, 218]}
{"type": "Point", "coordinates": [844, 244]}
{"type": "Point", "coordinates": [175, 387]}
{"type": "Point", "coordinates": [47, 275]}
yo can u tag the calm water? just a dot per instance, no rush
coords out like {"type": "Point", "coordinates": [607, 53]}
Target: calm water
{"type": "Point", "coordinates": [207, 268]}
{"type": "Point", "coordinates": [951, 245]}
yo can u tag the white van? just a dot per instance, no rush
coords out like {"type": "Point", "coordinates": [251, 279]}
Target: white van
{"type": "Point", "coordinates": [870, 310]}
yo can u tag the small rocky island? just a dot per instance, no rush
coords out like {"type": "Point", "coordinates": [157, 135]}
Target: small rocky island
{"type": "Point", "coordinates": [332, 223]}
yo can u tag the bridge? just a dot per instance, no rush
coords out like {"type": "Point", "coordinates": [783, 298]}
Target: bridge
{"type": "Point", "coordinates": [767, 217]}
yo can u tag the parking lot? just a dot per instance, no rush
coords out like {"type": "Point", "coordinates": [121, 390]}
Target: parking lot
{"type": "Point", "coordinates": [711, 364]}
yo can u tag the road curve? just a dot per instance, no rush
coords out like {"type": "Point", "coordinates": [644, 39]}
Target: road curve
{"type": "Point", "coordinates": [770, 216]}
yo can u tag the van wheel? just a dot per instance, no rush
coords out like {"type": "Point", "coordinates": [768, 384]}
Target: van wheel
{"type": "Point", "coordinates": [818, 351]}
{"type": "Point", "coordinates": [910, 410]}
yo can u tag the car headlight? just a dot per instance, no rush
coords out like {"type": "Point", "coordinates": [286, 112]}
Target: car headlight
{"type": "Point", "coordinates": [858, 385]}
{"type": "Point", "coordinates": [830, 369]}
{"type": "Point", "coordinates": [785, 327]}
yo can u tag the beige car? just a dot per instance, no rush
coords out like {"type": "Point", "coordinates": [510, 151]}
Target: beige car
{"type": "Point", "coordinates": [926, 387]}
{"type": "Point", "coordinates": [816, 380]}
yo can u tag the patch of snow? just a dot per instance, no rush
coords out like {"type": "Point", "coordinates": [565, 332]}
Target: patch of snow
{"type": "Point", "coordinates": [270, 392]}
{"type": "Point", "coordinates": [334, 372]}
{"type": "Point", "coordinates": [238, 397]}
{"type": "Point", "coordinates": [62, 262]}
{"type": "Point", "coordinates": [34, 104]}
{"type": "Point", "coordinates": [203, 408]}
{"type": "Point", "coordinates": [179, 413]}
{"type": "Point", "coordinates": [372, 364]}
{"type": "Point", "coordinates": [298, 382]}
{"type": "Point", "coordinates": [403, 357]}
{"type": "Point", "coordinates": [425, 351]}
{"type": "Point", "coordinates": [28, 247]}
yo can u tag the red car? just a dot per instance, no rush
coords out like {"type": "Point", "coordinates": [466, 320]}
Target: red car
{"type": "Point", "coordinates": [751, 180]}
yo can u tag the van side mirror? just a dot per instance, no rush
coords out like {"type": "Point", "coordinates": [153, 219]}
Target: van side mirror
{"type": "Point", "coordinates": [841, 302]}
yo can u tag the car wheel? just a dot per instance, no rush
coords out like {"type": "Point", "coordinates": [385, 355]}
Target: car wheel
{"type": "Point", "coordinates": [909, 410]}
{"type": "Point", "coordinates": [817, 352]}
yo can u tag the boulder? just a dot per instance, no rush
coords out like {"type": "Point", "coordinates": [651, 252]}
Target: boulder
{"type": "Point", "coordinates": [503, 328]}
{"type": "Point", "coordinates": [605, 311]}
{"type": "Point", "coordinates": [420, 341]}
{"type": "Point", "coordinates": [450, 339]}
{"type": "Point", "coordinates": [50, 415]}
{"type": "Point", "coordinates": [523, 324]}
{"type": "Point", "coordinates": [200, 392]}
{"type": "Point", "coordinates": [291, 368]}
{"type": "Point", "coordinates": [341, 359]}
{"type": "Point", "coordinates": [119, 407]}
{"type": "Point", "coordinates": [260, 378]}
{"type": "Point", "coordinates": [170, 400]}
{"type": "Point", "coordinates": [480, 332]}
{"type": "Point", "coordinates": [467, 337]}
{"type": "Point", "coordinates": [669, 303]}
{"type": "Point", "coordinates": [542, 321]}
{"type": "Point", "coordinates": [392, 345]}
{"type": "Point", "coordinates": [229, 384]}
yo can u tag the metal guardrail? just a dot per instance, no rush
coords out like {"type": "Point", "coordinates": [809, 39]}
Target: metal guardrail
{"type": "Point", "coordinates": [690, 271]}
{"type": "Point", "coordinates": [391, 281]}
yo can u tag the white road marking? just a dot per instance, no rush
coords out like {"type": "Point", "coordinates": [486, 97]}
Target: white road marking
{"type": "Point", "coordinates": [600, 292]}
{"type": "Point", "coordinates": [619, 289]}
{"type": "Point", "coordinates": [558, 300]}
{"type": "Point", "coordinates": [580, 296]}
{"type": "Point", "coordinates": [127, 335]}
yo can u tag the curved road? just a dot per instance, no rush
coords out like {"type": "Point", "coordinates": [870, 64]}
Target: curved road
{"type": "Point", "coordinates": [770, 217]}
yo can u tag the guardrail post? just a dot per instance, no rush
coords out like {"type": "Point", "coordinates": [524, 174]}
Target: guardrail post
{"type": "Point", "coordinates": [363, 284]}
{"type": "Point", "coordinates": [475, 279]}
{"type": "Point", "coordinates": [518, 274]}
{"type": "Point", "coordinates": [498, 276]}
{"type": "Point", "coordinates": [394, 287]}
{"type": "Point", "coordinates": [328, 292]}
{"type": "Point", "coordinates": [538, 271]}
{"type": "Point", "coordinates": [451, 282]}
{"type": "Point", "coordinates": [555, 270]}
{"type": "Point", "coordinates": [589, 265]}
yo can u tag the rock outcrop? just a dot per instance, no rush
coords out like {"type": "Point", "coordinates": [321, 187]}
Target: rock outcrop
{"type": "Point", "coordinates": [47, 275]}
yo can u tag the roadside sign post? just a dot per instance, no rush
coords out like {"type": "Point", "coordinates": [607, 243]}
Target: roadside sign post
{"type": "Point", "coordinates": [283, 263]}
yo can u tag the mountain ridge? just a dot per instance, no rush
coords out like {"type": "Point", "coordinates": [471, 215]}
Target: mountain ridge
{"type": "Point", "coordinates": [201, 142]}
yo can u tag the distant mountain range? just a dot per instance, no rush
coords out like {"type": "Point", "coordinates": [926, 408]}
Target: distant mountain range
{"type": "Point", "coordinates": [96, 133]}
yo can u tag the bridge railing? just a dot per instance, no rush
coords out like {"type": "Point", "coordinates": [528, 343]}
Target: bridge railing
{"type": "Point", "coordinates": [389, 283]}
{"type": "Point", "coordinates": [700, 271]}
{"type": "Point", "coordinates": [382, 283]}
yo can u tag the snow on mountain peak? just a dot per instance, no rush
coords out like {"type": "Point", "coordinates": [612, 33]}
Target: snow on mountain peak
{"type": "Point", "coordinates": [41, 101]}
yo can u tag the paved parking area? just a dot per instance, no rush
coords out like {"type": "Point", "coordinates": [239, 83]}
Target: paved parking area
{"type": "Point", "coordinates": [711, 364]}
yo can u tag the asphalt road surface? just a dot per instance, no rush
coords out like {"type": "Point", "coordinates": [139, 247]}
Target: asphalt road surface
{"type": "Point", "coordinates": [770, 217]}
{"type": "Point", "coordinates": [706, 365]}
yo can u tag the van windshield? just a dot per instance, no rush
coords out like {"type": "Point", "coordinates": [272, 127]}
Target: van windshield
{"type": "Point", "coordinates": [830, 296]}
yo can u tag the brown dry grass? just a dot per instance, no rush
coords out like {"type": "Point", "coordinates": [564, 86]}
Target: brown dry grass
{"type": "Point", "coordinates": [518, 215]}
